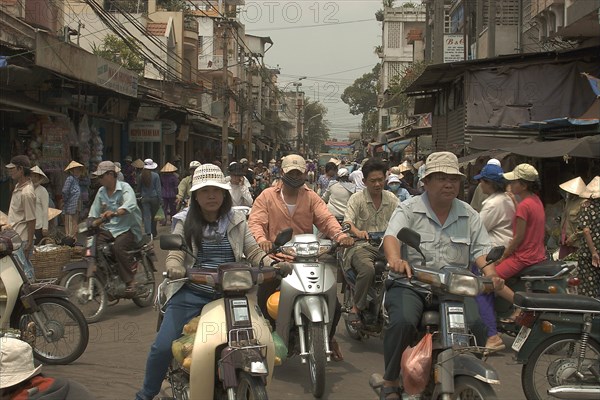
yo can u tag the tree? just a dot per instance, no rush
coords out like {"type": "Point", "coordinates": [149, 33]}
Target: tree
{"type": "Point", "coordinates": [399, 84]}
{"type": "Point", "coordinates": [361, 97]}
{"type": "Point", "coordinates": [316, 129]}
{"type": "Point", "coordinates": [117, 51]}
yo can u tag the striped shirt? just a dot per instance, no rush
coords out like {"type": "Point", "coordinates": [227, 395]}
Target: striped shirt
{"type": "Point", "coordinates": [211, 254]}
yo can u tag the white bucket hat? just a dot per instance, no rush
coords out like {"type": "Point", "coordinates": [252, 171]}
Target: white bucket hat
{"type": "Point", "coordinates": [209, 175]}
{"type": "Point", "coordinates": [16, 362]}
{"type": "Point", "coordinates": [150, 164]}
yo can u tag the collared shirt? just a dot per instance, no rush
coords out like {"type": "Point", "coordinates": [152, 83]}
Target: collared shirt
{"type": "Point", "coordinates": [184, 188]}
{"type": "Point", "coordinates": [497, 215]}
{"type": "Point", "coordinates": [362, 213]}
{"type": "Point", "coordinates": [22, 208]}
{"type": "Point", "coordinates": [357, 177]}
{"type": "Point", "coordinates": [270, 215]}
{"type": "Point", "coordinates": [458, 242]}
{"type": "Point", "coordinates": [41, 207]}
{"type": "Point", "coordinates": [71, 192]}
{"type": "Point", "coordinates": [123, 197]}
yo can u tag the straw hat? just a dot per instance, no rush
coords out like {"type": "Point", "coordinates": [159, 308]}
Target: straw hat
{"type": "Point", "coordinates": [574, 186]}
{"type": "Point", "coordinates": [53, 213]}
{"type": "Point", "coordinates": [37, 170]}
{"type": "Point", "coordinates": [405, 166]}
{"type": "Point", "coordinates": [168, 168]}
{"type": "Point", "coordinates": [138, 163]}
{"type": "Point", "coordinates": [592, 190]}
{"type": "Point", "coordinates": [209, 175]}
{"type": "Point", "coordinates": [16, 362]}
{"type": "Point", "coordinates": [73, 164]}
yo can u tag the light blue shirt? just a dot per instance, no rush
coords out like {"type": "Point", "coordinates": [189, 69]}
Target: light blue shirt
{"type": "Point", "coordinates": [123, 197]}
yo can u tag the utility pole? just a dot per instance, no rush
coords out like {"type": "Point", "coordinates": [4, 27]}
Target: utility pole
{"type": "Point", "coordinates": [225, 128]}
{"type": "Point", "coordinates": [249, 112]}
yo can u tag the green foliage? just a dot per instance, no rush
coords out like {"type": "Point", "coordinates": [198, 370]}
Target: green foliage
{"type": "Point", "coordinates": [388, 3]}
{"type": "Point", "coordinates": [174, 5]}
{"type": "Point", "coordinates": [316, 127]}
{"type": "Point", "coordinates": [400, 83]}
{"type": "Point", "coordinates": [361, 97]}
{"type": "Point", "coordinates": [116, 50]}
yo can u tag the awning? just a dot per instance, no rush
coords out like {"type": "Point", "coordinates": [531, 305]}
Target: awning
{"type": "Point", "coordinates": [586, 147]}
{"type": "Point", "coordinates": [495, 143]}
{"type": "Point", "coordinates": [397, 145]}
{"type": "Point", "coordinates": [472, 158]}
{"type": "Point", "coordinates": [25, 103]}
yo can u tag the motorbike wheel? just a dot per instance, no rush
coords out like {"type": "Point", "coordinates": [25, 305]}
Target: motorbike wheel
{"type": "Point", "coordinates": [348, 302]}
{"type": "Point", "coordinates": [250, 387]}
{"type": "Point", "coordinates": [68, 329]}
{"type": "Point", "coordinates": [147, 285]}
{"type": "Point", "coordinates": [317, 358]}
{"type": "Point", "coordinates": [77, 285]}
{"type": "Point", "coordinates": [554, 363]}
{"type": "Point", "coordinates": [467, 387]}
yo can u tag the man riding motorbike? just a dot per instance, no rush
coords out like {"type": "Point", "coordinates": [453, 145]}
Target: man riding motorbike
{"type": "Point", "coordinates": [183, 190]}
{"type": "Point", "coordinates": [338, 193]}
{"type": "Point", "coordinates": [240, 193]}
{"type": "Point", "coordinates": [291, 204]}
{"type": "Point", "coordinates": [451, 234]}
{"type": "Point", "coordinates": [117, 199]}
{"type": "Point", "coordinates": [368, 211]}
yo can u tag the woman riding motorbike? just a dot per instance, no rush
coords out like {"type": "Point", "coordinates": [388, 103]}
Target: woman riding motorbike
{"type": "Point", "coordinates": [217, 235]}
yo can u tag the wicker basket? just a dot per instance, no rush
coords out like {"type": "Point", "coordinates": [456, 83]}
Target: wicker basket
{"type": "Point", "coordinates": [48, 264]}
{"type": "Point", "coordinates": [77, 252]}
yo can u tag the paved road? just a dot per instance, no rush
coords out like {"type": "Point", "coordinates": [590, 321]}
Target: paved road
{"type": "Point", "coordinates": [113, 365]}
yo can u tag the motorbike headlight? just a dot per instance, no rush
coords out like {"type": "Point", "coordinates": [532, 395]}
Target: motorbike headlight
{"type": "Point", "coordinates": [463, 285]}
{"type": "Point", "coordinates": [302, 249]}
{"type": "Point", "coordinates": [234, 281]}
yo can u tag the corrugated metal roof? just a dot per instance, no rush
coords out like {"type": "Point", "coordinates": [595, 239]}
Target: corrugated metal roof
{"type": "Point", "coordinates": [156, 28]}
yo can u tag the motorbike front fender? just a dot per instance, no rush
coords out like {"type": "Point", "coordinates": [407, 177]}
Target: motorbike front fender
{"type": "Point", "coordinates": [469, 365]}
{"type": "Point", "coordinates": [75, 265]}
{"type": "Point", "coordinates": [312, 307]}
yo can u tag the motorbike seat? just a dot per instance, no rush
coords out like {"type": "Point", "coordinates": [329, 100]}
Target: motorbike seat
{"type": "Point", "coordinates": [545, 268]}
{"type": "Point", "coordinates": [548, 301]}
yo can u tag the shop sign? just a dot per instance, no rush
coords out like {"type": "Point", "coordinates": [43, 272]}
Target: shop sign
{"type": "Point", "coordinates": [454, 48]}
{"type": "Point", "coordinates": [114, 77]}
{"type": "Point", "coordinates": [168, 126]}
{"type": "Point", "coordinates": [145, 131]}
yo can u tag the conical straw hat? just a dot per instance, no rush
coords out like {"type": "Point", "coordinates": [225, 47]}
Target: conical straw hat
{"type": "Point", "coordinates": [168, 168]}
{"type": "Point", "coordinates": [73, 164]}
{"type": "Point", "coordinates": [574, 186]}
{"type": "Point", "coordinates": [53, 213]}
{"type": "Point", "coordinates": [592, 190]}
{"type": "Point", "coordinates": [138, 163]}
{"type": "Point", "coordinates": [405, 167]}
{"type": "Point", "coordinates": [38, 170]}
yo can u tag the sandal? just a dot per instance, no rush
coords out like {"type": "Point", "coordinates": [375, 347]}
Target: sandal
{"type": "Point", "coordinates": [355, 321]}
{"type": "Point", "coordinates": [336, 352]}
{"type": "Point", "coordinates": [386, 391]}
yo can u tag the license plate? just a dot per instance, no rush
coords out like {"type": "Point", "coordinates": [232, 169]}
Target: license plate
{"type": "Point", "coordinates": [521, 338]}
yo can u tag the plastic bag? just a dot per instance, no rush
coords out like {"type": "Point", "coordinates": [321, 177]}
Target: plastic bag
{"type": "Point", "coordinates": [416, 366]}
{"type": "Point", "coordinates": [160, 215]}
{"type": "Point", "coordinates": [281, 350]}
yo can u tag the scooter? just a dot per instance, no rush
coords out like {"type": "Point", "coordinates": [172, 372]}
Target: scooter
{"type": "Point", "coordinates": [372, 317]}
{"type": "Point", "coordinates": [457, 373]}
{"type": "Point", "coordinates": [307, 302]}
{"type": "Point", "coordinates": [229, 351]}
{"type": "Point", "coordinates": [94, 281]}
{"type": "Point", "coordinates": [559, 346]}
{"type": "Point", "coordinates": [39, 313]}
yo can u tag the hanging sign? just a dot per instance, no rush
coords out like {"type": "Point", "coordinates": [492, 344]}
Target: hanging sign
{"type": "Point", "coordinates": [168, 126]}
{"type": "Point", "coordinates": [145, 131]}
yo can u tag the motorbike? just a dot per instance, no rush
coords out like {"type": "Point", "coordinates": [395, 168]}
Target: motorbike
{"type": "Point", "coordinates": [372, 316]}
{"type": "Point", "coordinates": [38, 313]}
{"type": "Point", "coordinates": [94, 281]}
{"type": "Point", "coordinates": [558, 345]}
{"type": "Point", "coordinates": [456, 372]}
{"type": "Point", "coordinates": [307, 302]}
{"type": "Point", "coordinates": [546, 277]}
{"type": "Point", "coordinates": [232, 354]}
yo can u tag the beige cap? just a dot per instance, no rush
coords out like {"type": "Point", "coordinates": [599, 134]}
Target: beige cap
{"type": "Point", "coordinates": [138, 163]}
{"type": "Point", "coordinates": [574, 186]}
{"type": "Point", "coordinates": [293, 161]}
{"type": "Point", "coordinates": [526, 172]}
{"type": "Point", "coordinates": [442, 161]}
{"type": "Point", "coordinates": [53, 213]}
{"type": "Point", "coordinates": [104, 167]}
{"type": "Point", "coordinates": [37, 170]}
{"type": "Point", "coordinates": [73, 164]}
{"type": "Point", "coordinates": [592, 190]}
{"type": "Point", "coordinates": [168, 168]}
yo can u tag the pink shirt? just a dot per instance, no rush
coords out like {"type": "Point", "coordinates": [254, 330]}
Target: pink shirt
{"type": "Point", "coordinates": [270, 215]}
{"type": "Point", "coordinates": [531, 250]}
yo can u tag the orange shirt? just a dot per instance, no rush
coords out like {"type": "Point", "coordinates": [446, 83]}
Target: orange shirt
{"type": "Point", "coordinates": [270, 215]}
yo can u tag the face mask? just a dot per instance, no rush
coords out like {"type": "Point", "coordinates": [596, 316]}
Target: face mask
{"type": "Point", "coordinates": [292, 182]}
{"type": "Point", "coordinates": [394, 187]}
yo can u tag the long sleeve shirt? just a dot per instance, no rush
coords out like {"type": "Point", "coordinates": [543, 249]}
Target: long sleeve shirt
{"type": "Point", "coordinates": [154, 190]}
{"type": "Point", "coordinates": [169, 182]}
{"type": "Point", "coordinates": [123, 197]}
{"type": "Point", "coordinates": [71, 192]}
{"type": "Point", "coordinates": [41, 207]}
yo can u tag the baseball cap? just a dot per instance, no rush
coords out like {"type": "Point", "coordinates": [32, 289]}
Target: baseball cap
{"type": "Point", "coordinates": [104, 167]}
{"type": "Point", "coordinates": [526, 172]}
{"type": "Point", "coordinates": [494, 161]}
{"type": "Point", "coordinates": [16, 362]}
{"type": "Point", "coordinates": [293, 161]}
{"type": "Point", "coordinates": [342, 172]}
{"type": "Point", "coordinates": [209, 175]}
{"type": "Point", "coordinates": [491, 172]}
{"type": "Point", "coordinates": [442, 161]}
{"type": "Point", "coordinates": [19, 161]}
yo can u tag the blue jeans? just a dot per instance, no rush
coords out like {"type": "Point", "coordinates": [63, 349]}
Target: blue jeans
{"type": "Point", "coordinates": [150, 206]}
{"type": "Point", "coordinates": [183, 306]}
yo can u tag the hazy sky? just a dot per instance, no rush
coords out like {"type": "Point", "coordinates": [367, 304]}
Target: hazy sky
{"type": "Point", "coordinates": [330, 42]}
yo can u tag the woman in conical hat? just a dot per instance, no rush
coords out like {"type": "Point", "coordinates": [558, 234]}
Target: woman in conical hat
{"type": "Point", "coordinates": [589, 261]}
{"type": "Point", "coordinates": [169, 182]}
{"type": "Point", "coordinates": [71, 198]}
{"type": "Point", "coordinates": [38, 177]}
{"type": "Point", "coordinates": [569, 242]}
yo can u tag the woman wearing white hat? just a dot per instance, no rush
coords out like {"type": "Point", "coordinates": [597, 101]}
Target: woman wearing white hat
{"type": "Point", "coordinates": [149, 188]}
{"type": "Point", "coordinates": [589, 261]}
{"type": "Point", "coordinates": [39, 178]}
{"type": "Point", "coordinates": [568, 224]}
{"type": "Point", "coordinates": [71, 193]}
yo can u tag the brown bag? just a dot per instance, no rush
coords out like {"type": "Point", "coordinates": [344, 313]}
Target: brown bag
{"type": "Point", "coordinates": [416, 366]}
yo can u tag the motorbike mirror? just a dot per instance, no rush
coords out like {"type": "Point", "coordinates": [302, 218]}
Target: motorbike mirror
{"type": "Point", "coordinates": [495, 254]}
{"type": "Point", "coordinates": [410, 237]}
{"type": "Point", "coordinates": [283, 237]}
{"type": "Point", "coordinates": [171, 242]}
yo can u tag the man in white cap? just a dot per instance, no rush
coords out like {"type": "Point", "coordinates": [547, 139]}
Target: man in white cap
{"type": "Point", "coordinates": [185, 186]}
{"type": "Point", "coordinates": [20, 379]}
{"type": "Point", "coordinates": [357, 176]}
{"type": "Point", "coordinates": [451, 234]}
{"type": "Point", "coordinates": [478, 195]}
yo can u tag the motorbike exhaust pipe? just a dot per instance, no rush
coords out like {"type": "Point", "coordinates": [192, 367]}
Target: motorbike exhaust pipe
{"type": "Point", "coordinates": [583, 392]}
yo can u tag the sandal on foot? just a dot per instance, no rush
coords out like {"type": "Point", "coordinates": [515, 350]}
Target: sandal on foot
{"type": "Point", "coordinates": [390, 393]}
{"type": "Point", "coordinates": [495, 343]}
{"type": "Point", "coordinates": [354, 320]}
{"type": "Point", "coordinates": [336, 352]}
